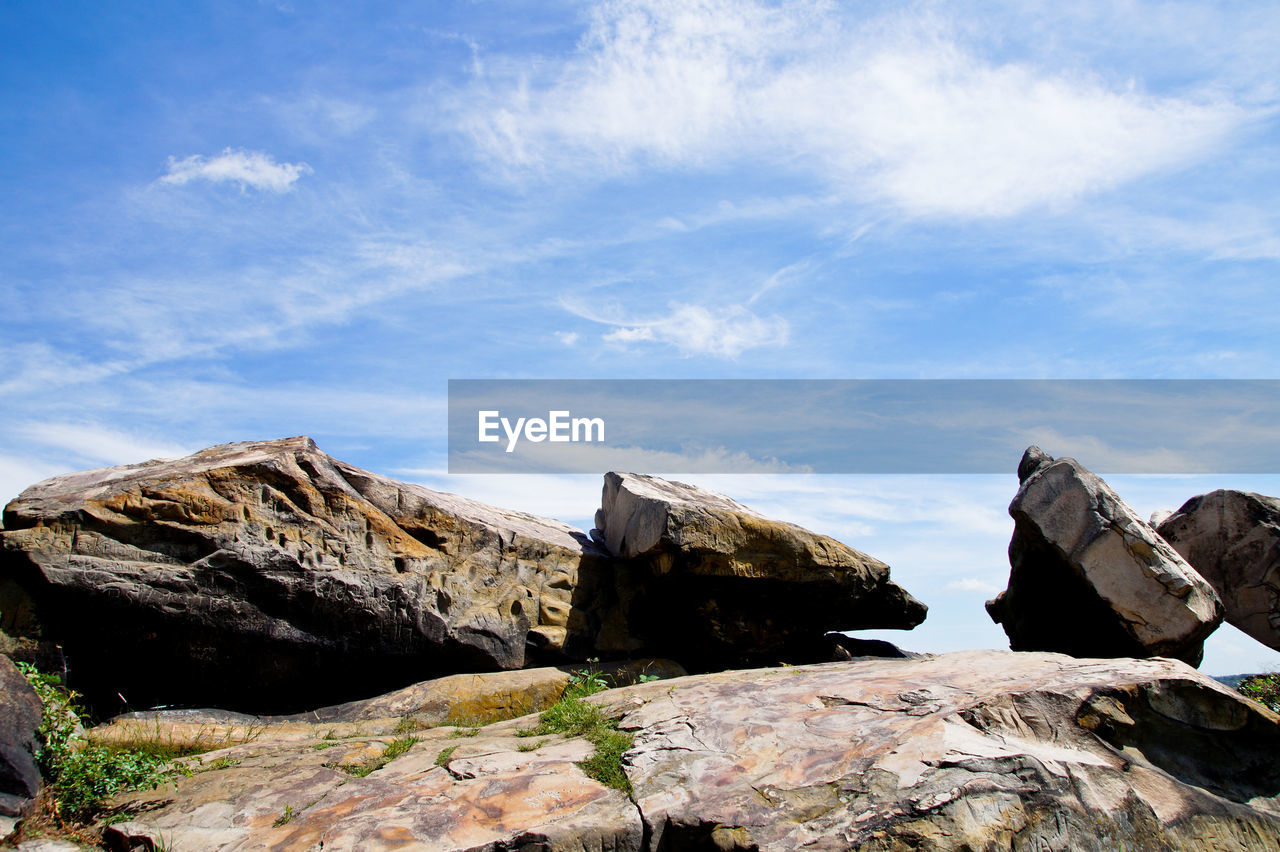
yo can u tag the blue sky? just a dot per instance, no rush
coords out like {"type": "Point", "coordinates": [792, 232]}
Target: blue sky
{"type": "Point", "coordinates": [249, 220]}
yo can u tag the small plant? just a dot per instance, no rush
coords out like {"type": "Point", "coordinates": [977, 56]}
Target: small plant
{"type": "Point", "coordinates": [531, 746]}
{"type": "Point", "coordinates": [220, 763]}
{"type": "Point", "coordinates": [80, 775]}
{"type": "Point", "coordinates": [1264, 689]}
{"type": "Point", "coordinates": [465, 732]}
{"type": "Point", "coordinates": [573, 717]}
{"type": "Point", "coordinates": [323, 746]}
{"type": "Point", "coordinates": [647, 678]}
{"type": "Point", "coordinates": [442, 759]}
{"type": "Point", "coordinates": [587, 681]}
{"type": "Point", "coordinates": [408, 725]}
{"type": "Point", "coordinates": [285, 817]}
{"type": "Point", "coordinates": [393, 750]}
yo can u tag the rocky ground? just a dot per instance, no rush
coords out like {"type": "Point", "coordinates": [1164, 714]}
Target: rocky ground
{"type": "Point", "coordinates": [396, 668]}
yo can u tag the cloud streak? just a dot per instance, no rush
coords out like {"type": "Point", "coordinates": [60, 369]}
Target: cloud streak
{"type": "Point", "coordinates": [895, 110]}
{"type": "Point", "coordinates": [249, 169]}
{"type": "Point", "coordinates": [719, 332]}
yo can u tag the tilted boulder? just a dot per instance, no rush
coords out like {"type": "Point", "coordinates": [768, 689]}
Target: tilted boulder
{"type": "Point", "coordinates": [964, 751]}
{"type": "Point", "coordinates": [1090, 578]}
{"type": "Point", "coordinates": [1233, 539]}
{"type": "Point", "coordinates": [714, 584]}
{"type": "Point", "coordinates": [20, 714]}
{"type": "Point", "coordinates": [269, 576]}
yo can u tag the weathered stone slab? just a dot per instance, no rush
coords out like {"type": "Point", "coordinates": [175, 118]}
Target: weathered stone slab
{"type": "Point", "coordinates": [272, 576]}
{"type": "Point", "coordinates": [1090, 578]}
{"type": "Point", "coordinates": [1233, 539]}
{"type": "Point", "coordinates": [973, 750]}
{"type": "Point", "coordinates": [716, 584]}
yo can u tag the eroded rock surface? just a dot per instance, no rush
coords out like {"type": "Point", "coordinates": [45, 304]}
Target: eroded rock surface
{"type": "Point", "coordinates": [20, 714]}
{"type": "Point", "coordinates": [1090, 578]}
{"type": "Point", "coordinates": [715, 584]}
{"type": "Point", "coordinates": [271, 575]}
{"type": "Point", "coordinates": [1233, 539]}
{"type": "Point", "coordinates": [973, 750]}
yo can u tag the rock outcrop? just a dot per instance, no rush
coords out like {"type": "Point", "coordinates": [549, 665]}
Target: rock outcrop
{"type": "Point", "coordinates": [268, 577]}
{"type": "Point", "coordinates": [271, 575]}
{"type": "Point", "coordinates": [1090, 578]}
{"type": "Point", "coordinates": [715, 584]}
{"type": "Point", "coordinates": [973, 750]}
{"type": "Point", "coordinates": [1233, 539]}
{"type": "Point", "coordinates": [20, 714]}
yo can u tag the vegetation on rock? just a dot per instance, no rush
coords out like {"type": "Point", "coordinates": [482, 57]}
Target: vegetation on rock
{"type": "Point", "coordinates": [80, 776]}
{"type": "Point", "coordinates": [573, 717]}
{"type": "Point", "coordinates": [1262, 688]}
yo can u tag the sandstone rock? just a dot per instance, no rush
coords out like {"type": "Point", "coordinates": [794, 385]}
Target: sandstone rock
{"type": "Point", "coordinates": [715, 584]}
{"type": "Point", "coordinates": [974, 750]}
{"type": "Point", "coordinates": [1233, 539]}
{"type": "Point", "coordinates": [20, 714]}
{"type": "Point", "coordinates": [458, 700]}
{"type": "Point", "coordinates": [445, 793]}
{"type": "Point", "coordinates": [1090, 578]}
{"type": "Point", "coordinates": [272, 576]}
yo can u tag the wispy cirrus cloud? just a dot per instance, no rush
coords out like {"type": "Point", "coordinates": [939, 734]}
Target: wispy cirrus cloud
{"type": "Point", "coordinates": [721, 331]}
{"type": "Point", "coordinates": [249, 169]}
{"type": "Point", "coordinates": [897, 109]}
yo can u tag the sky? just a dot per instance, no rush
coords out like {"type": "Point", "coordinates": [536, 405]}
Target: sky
{"type": "Point", "coordinates": [248, 220]}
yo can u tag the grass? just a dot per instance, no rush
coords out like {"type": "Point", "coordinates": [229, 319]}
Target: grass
{"type": "Point", "coordinates": [81, 776]}
{"type": "Point", "coordinates": [573, 717]}
{"type": "Point", "coordinates": [286, 816]}
{"type": "Point", "coordinates": [393, 750]}
{"type": "Point", "coordinates": [442, 759]}
{"type": "Point", "coordinates": [531, 746]}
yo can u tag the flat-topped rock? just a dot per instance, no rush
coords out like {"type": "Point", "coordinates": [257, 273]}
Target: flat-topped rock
{"type": "Point", "coordinates": [1090, 578]}
{"type": "Point", "coordinates": [269, 574]}
{"type": "Point", "coordinates": [973, 750]}
{"type": "Point", "coordinates": [1233, 539]}
{"type": "Point", "coordinates": [728, 586]}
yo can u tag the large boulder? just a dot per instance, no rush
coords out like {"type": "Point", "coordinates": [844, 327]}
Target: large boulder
{"type": "Point", "coordinates": [974, 750]}
{"type": "Point", "coordinates": [1090, 578]}
{"type": "Point", "coordinates": [715, 584]}
{"type": "Point", "coordinates": [1233, 539]}
{"type": "Point", "coordinates": [20, 714]}
{"type": "Point", "coordinates": [271, 577]}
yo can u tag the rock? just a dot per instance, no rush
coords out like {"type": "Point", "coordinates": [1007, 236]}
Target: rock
{"type": "Point", "coordinates": [715, 584]}
{"type": "Point", "coordinates": [268, 576]}
{"type": "Point", "coordinates": [1090, 578]}
{"type": "Point", "coordinates": [286, 790]}
{"type": "Point", "coordinates": [459, 700]}
{"type": "Point", "coordinates": [20, 714]}
{"type": "Point", "coordinates": [850, 648]}
{"type": "Point", "coordinates": [972, 750]}
{"type": "Point", "coordinates": [1233, 539]}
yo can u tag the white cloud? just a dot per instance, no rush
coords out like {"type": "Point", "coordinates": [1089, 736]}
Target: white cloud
{"type": "Point", "coordinates": [895, 109]}
{"type": "Point", "coordinates": [568, 338]}
{"type": "Point", "coordinates": [247, 168]}
{"type": "Point", "coordinates": [722, 332]}
{"type": "Point", "coordinates": [971, 584]}
{"type": "Point", "coordinates": [98, 444]}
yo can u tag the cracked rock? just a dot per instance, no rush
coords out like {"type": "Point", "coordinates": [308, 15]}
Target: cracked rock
{"type": "Point", "coordinates": [1090, 578]}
